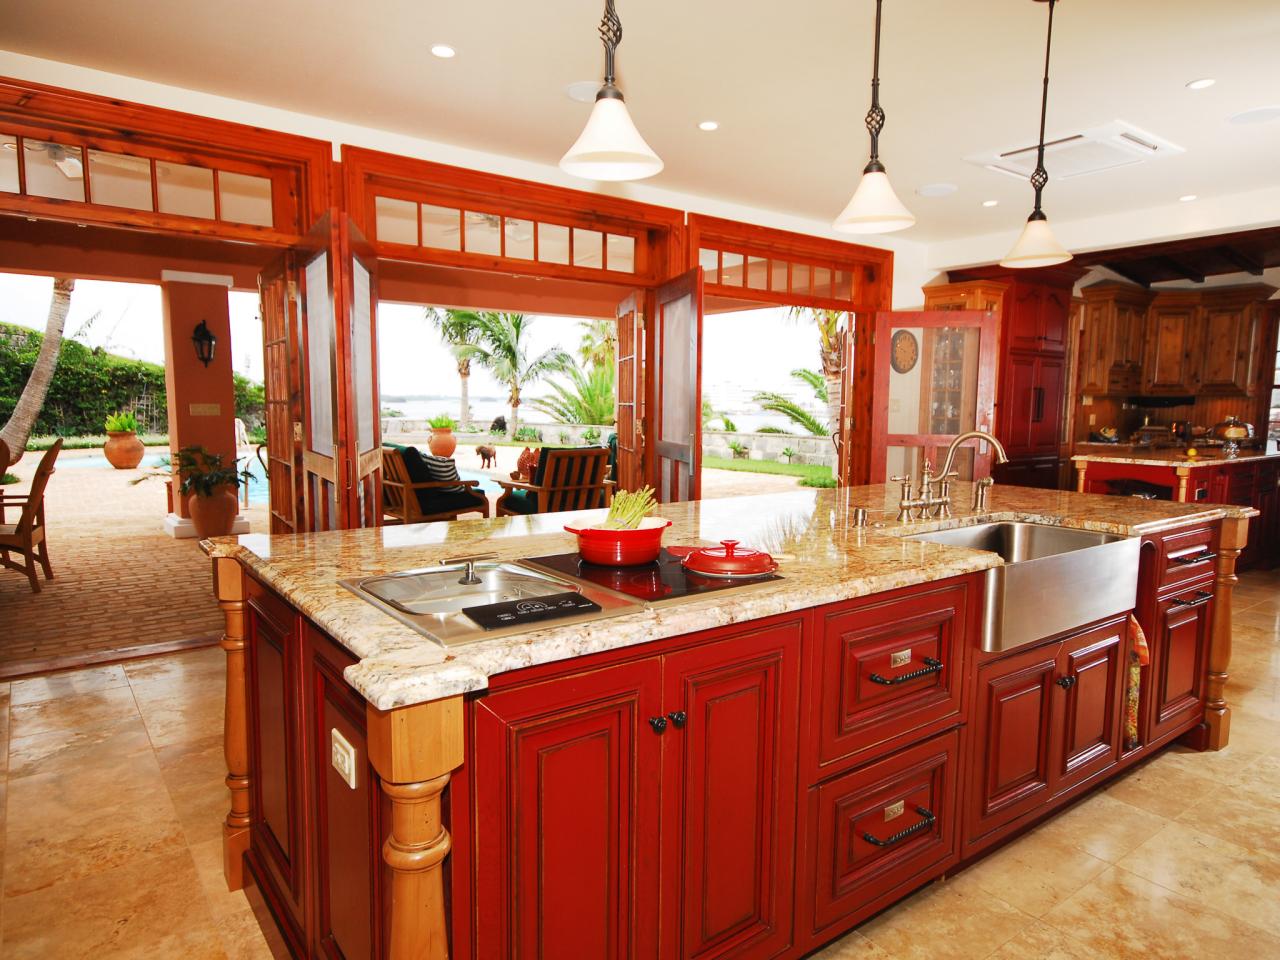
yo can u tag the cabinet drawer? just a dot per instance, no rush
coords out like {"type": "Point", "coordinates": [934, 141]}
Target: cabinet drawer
{"type": "Point", "coordinates": [889, 668]}
{"type": "Point", "coordinates": [1186, 555]}
{"type": "Point", "coordinates": [883, 827]}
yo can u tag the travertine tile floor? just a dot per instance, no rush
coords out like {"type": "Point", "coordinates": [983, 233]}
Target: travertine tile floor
{"type": "Point", "coordinates": [113, 800]}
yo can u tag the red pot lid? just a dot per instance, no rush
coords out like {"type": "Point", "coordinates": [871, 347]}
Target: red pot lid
{"type": "Point", "coordinates": [729, 560]}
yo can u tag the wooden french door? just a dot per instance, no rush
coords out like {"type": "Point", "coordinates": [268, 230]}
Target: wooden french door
{"type": "Point", "coordinates": [934, 379]}
{"type": "Point", "coordinates": [630, 379]}
{"type": "Point", "coordinates": [319, 309]}
{"type": "Point", "coordinates": [676, 395]}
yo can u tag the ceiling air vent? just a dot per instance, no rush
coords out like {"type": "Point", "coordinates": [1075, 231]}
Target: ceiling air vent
{"type": "Point", "coordinates": [1115, 144]}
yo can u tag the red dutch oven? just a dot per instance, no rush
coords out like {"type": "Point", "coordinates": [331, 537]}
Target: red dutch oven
{"type": "Point", "coordinates": [729, 561]}
{"type": "Point", "coordinates": [621, 548]}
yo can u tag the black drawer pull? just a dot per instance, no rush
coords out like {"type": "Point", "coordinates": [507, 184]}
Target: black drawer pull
{"type": "Point", "coordinates": [1202, 597]}
{"type": "Point", "coordinates": [678, 717]}
{"type": "Point", "coordinates": [925, 824]}
{"type": "Point", "coordinates": [931, 666]}
{"type": "Point", "coordinates": [659, 724]}
{"type": "Point", "coordinates": [1066, 683]}
{"type": "Point", "coordinates": [1196, 557]}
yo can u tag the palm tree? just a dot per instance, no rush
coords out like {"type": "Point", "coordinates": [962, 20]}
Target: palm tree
{"type": "Point", "coordinates": [793, 411]}
{"type": "Point", "coordinates": [829, 342]}
{"type": "Point", "coordinates": [588, 397]}
{"type": "Point", "coordinates": [599, 343]}
{"type": "Point", "coordinates": [502, 348]}
{"type": "Point", "coordinates": [23, 419]}
{"type": "Point", "coordinates": [458, 328]}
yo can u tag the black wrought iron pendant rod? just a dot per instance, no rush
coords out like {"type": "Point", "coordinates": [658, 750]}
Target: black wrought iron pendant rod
{"type": "Point", "coordinates": [611, 36]}
{"type": "Point", "coordinates": [1040, 176]}
{"type": "Point", "coordinates": [875, 115]}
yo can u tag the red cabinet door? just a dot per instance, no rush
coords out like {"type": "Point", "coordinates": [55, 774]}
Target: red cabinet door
{"type": "Point", "coordinates": [1175, 677]}
{"type": "Point", "coordinates": [1011, 761]}
{"type": "Point", "coordinates": [277, 854]}
{"type": "Point", "coordinates": [1055, 311]}
{"type": "Point", "coordinates": [1017, 397]}
{"type": "Point", "coordinates": [566, 816]}
{"type": "Point", "coordinates": [1025, 331]}
{"type": "Point", "coordinates": [729, 795]}
{"type": "Point", "coordinates": [1047, 396]}
{"type": "Point", "coordinates": [1090, 686]}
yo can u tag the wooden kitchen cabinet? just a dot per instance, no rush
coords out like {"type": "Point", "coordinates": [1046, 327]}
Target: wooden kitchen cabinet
{"type": "Point", "coordinates": [1048, 719]}
{"type": "Point", "coordinates": [1037, 318]}
{"type": "Point", "coordinates": [1112, 339]}
{"type": "Point", "coordinates": [1179, 645]}
{"type": "Point", "coordinates": [1171, 362]}
{"type": "Point", "coordinates": [665, 786]}
{"type": "Point", "coordinates": [1231, 332]}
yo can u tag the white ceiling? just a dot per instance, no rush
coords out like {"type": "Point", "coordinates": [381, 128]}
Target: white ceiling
{"type": "Point", "coordinates": [788, 83]}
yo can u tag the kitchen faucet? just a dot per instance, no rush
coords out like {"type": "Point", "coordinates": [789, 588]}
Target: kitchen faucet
{"type": "Point", "coordinates": [929, 504]}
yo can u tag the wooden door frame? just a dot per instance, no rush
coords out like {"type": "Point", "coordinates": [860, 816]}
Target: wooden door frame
{"type": "Point", "coordinates": [987, 360]}
{"type": "Point", "coordinates": [686, 284]}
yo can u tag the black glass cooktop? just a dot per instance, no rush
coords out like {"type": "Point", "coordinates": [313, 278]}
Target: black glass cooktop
{"type": "Point", "coordinates": [663, 581]}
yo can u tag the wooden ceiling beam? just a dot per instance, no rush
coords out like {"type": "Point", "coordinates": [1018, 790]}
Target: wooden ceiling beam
{"type": "Point", "coordinates": [1128, 273]}
{"type": "Point", "coordinates": [1242, 260]}
{"type": "Point", "coordinates": [1184, 271]}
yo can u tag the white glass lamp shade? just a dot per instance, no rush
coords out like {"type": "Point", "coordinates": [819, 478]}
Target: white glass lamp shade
{"type": "Point", "coordinates": [875, 208]}
{"type": "Point", "coordinates": [1036, 247]}
{"type": "Point", "coordinates": [610, 147]}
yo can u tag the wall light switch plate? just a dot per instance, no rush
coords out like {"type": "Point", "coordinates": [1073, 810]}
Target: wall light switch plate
{"type": "Point", "coordinates": [1093, 419]}
{"type": "Point", "coordinates": [343, 757]}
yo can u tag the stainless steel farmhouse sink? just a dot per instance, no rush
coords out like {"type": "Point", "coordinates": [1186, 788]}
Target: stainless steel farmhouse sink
{"type": "Point", "coordinates": [1053, 579]}
{"type": "Point", "coordinates": [432, 599]}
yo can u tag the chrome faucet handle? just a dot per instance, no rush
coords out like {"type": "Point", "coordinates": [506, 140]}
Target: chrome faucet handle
{"type": "Point", "coordinates": [905, 500]}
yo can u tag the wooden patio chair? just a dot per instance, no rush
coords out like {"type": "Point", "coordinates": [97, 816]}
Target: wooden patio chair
{"type": "Point", "coordinates": [571, 479]}
{"type": "Point", "coordinates": [26, 538]}
{"type": "Point", "coordinates": [408, 501]}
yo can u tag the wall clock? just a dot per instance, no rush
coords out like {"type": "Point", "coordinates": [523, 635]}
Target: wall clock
{"type": "Point", "coordinates": [904, 351]}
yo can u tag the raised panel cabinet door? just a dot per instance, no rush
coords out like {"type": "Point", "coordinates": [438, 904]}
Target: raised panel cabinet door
{"type": "Point", "coordinates": [1096, 348]}
{"type": "Point", "coordinates": [566, 794]}
{"type": "Point", "coordinates": [729, 795]}
{"type": "Point", "coordinates": [1025, 331]}
{"type": "Point", "coordinates": [889, 668]}
{"type": "Point", "coordinates": [1167, 368]}
{"type": "Point", "coordinates": [1178, 652]}
{"type": "Point", "coordinates": [1054, 321]}
{"type": "Point", "coordinates": [1011, 768]}
{"type": "Point", "coordinates": [277, 852]}
{"type": "Point", "coordinates": [1225, 363]}
{"type": "Point", "coordinates": [1131, 327]}
{"type": "Point", "coordinates": [1018, 403]}
{"type": "Point", "coordinates": [1047, 398]}
{"type": "Point", "coordinates": [1090, 688]}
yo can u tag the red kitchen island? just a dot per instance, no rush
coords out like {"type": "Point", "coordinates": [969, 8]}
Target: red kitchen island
{"type": "Point", "coordinates": [748, 775]}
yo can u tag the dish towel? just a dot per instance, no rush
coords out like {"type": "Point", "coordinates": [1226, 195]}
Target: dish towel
{"type": "Point", "coordinates": [1139, 657]}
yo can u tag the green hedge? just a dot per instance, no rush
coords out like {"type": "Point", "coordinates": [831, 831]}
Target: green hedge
{"type": "Point", "coordinates": [90, 383]}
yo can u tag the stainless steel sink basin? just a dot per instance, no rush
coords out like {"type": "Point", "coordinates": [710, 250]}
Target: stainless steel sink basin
{"type": "Point", "coordinates": [431, 599]}
{"type": "Point", "coordinates": [1054, 579]}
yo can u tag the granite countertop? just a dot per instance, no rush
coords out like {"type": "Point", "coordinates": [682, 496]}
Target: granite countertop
{"type": "Point", "coordinates": [822, 559]}
{"type": "Point", "coordinates": [1165, 457]}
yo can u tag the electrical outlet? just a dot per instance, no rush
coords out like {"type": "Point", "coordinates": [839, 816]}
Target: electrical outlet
{"type": "Point", "coordinates": [1093, 419]}
{"type": "Point", "coordinates": [343, 757]}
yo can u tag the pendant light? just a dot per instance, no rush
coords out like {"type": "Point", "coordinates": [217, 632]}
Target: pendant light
{"type": "Point", "coordinates": [875, 208]}
{"type": "Point", "coordinates": [610, 147]}
{"type": "Point", "coordinates": [1037, 246]}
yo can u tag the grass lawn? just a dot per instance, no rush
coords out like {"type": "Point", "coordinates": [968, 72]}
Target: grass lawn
{"type": "Point", "coordinates": [805, 471]}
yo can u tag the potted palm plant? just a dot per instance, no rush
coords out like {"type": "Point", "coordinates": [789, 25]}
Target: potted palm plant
{"type": "Point", "coordinates": [123, 449]}
{"type": "Point", "coordinates": [210, 489]}
{"type": "Point", "coordinates": [442, 442]}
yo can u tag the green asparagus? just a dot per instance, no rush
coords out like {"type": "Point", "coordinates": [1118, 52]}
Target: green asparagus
{"type": "Point", "coordinates": [629, 508]}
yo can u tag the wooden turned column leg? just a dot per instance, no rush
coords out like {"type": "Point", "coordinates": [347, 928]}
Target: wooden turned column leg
{"type": "Point", "coordinates": [229, 588]}
{"type": "Point", "coordinates": [1081, 467]}
{"type": "Point", "coordinates": [1217, 714]}
{"type": "Point", "coordinates": [414, 749]}
{"type": "Point", "coordinates": [1183, 474]}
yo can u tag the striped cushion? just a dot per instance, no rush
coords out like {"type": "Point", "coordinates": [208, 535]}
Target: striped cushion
{"type": "Point", "coordinates": [442, 470]}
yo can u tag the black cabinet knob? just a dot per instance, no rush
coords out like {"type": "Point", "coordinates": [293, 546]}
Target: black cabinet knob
{"type": "Point", "coordinates": [1066, 683]}
{"type": "Point", "coordinates": [659, 724]}
{"type": "Point", "coordinates": [678, 717]}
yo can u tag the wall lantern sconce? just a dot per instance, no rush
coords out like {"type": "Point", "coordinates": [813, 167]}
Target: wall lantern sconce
{"type": "Point", "coordinates": [205, 342]}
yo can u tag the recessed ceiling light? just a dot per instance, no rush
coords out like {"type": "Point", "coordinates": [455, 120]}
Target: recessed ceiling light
{"type": "Point", "coordinates": [583, 91]}
{"type": "Point", "coordinates": [937, 189]}
{"type": "Point", "coordinates": [708, 125]}
{"type": "Point", "coordinates": [1201, 84]}
{"type": "Point", "coordinates": [443, 51]}
{"type": "Point", "coordinates": [990, 203]}
{"type": "Point", "coordinates": [1256, 115]}
{"type": "Point", "coordinates": [1188, 197]}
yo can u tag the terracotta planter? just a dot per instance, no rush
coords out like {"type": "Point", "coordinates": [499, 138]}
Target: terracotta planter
{"type": "Point", "coordinates": [213, 516]}
{"type": "Point", "coordinates": [442, 442]}
{"type": "Point", "coordinates": [123, 449]}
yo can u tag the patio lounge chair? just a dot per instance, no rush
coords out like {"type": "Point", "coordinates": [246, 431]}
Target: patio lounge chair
{"type": "Point", "coordinates": [26, 538]}
{"type": "Point", "coordinates": [570, 479]}
{"type": "Point", "coordinates": [409, 496]}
